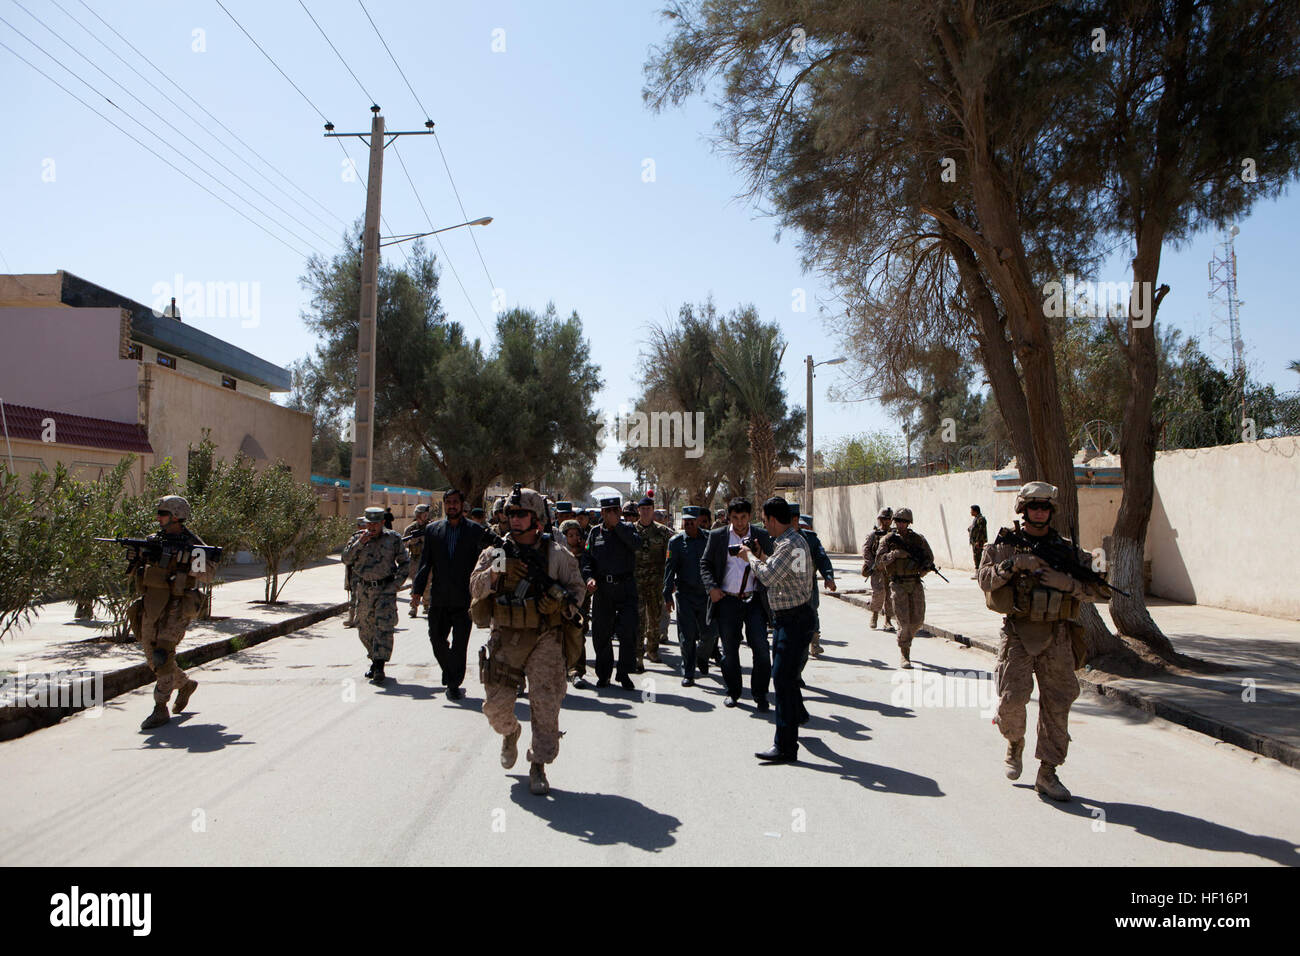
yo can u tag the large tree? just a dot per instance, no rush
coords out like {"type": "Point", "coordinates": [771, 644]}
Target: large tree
{"type": "Point", "coordinates": [522, 410]}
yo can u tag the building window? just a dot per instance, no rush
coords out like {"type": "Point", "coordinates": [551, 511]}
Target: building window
{"type": "Point", "coordinates": [227, 382]}
{"type": "Point", "coordinates": [135, 351]}
{"type": "Point", "coordinates": [166, 360]}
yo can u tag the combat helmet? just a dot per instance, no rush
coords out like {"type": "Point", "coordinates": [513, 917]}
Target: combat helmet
{"type": "Point", "coordinates": [1035, 491]}
{"type": "Point", "coordinates": [903, 514]}
{"type": "Point", "coordinates": [885, 513]}
{"type": "Point", "coordinates": [528, 499]}
{"type": "Point", "coordinates": [178, 506]}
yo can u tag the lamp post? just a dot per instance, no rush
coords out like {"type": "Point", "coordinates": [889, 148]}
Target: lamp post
{"type": "Point", "coordinates": [808, 444]}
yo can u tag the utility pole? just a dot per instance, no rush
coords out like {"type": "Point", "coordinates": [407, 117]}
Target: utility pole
{"type": "Point", "coordinates": [807, 507]}
{"type": "Point", "coordinates": [363, 432]}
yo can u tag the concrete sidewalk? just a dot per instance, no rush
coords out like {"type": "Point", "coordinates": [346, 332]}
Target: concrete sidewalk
{"type": "Point", "coordinates": [1255, 705]}
{"type": "Point", "coordinates": [56, 665]}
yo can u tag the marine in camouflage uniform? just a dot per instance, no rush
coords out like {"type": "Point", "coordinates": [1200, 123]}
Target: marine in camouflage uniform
{"type": "Point", "coordinates": [1041, 608]}
{"type": "Point", "coordinates": [905, 573]}
{"type": "Point", "coordinates": [650, 560]}
{"type": "Point", "coordinates": [880, 599]}
{"type": "Point", "coordinates": [380, 563]}
{"type": "Point", "coordinates": [413, 538]}
{"type": "Point", "coordinates": [168, 601]}
{"type": "Point", "coordinates": [527, 636]}
{"type": "Point", "coordinates": [351, 619]}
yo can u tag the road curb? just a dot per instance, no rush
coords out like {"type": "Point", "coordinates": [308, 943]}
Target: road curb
{"type": "Point", "coordinates": [18, 720]}
{"type": "Point", "coordinates": [1261, 744]}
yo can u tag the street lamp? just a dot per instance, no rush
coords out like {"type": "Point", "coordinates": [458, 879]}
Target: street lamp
{"type": "Point", "coordinates": [808, 449]}
{"type": "Point", "coordinates": [394, 240]}
{"type": "Point", "coordinates": [363, 434]}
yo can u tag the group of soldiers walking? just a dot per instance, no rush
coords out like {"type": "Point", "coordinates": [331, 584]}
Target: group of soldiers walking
{"type": "Point", "coordinates": [539, 592]}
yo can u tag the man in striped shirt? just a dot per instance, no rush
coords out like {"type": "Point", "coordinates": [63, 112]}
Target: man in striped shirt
{"type": "Point", "coordinates": [789, 576]}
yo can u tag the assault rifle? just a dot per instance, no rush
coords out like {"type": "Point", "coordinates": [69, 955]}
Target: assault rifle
{"type": "Point", "coordinates": [541, 581]}
{"type": "Point", "coordinates": [155, 549]}
{"type": "Point", "coordinates": [1059, 556]}
{"type": "Point", "coordinates": [912, 550]}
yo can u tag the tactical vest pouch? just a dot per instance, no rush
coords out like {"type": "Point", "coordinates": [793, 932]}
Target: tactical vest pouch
{"type": "Point", "coordinates": [179, 583]}
{"type": "Point", "coordinates": [480, 612]}
{"type": "Point", "coordinates": [155, 577]}
{"type": "Point", "coordinates": [1048, 604]}
{"type": "Point", "coordinates": [1078, 645]}
{"type": "Point", "coordinates": [516, 613]}
{"type": "Point", "coordinates": [1002, 600]}
{"type": "Point", "coordinates": [575, 643]}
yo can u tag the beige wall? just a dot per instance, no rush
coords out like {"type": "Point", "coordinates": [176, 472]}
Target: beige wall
{"type": "Point", "coordinates": [1223, 528]}
{"type": "Point", "coordinates": [176, 408]}
{"type": "Point", "coordinates": [1225, 524]}
{"type": "Point", "coordinates": [87, 464]}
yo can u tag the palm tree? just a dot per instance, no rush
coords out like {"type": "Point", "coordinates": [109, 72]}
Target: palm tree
{"type": "Point", "coordinates": [749, 353]}
{"type": "Point", "coordinates": [1295, 366]}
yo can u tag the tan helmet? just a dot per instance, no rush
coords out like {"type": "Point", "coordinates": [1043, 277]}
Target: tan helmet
{"type": "Point", "coordinates": [522, 497]}
{"type": "Point", "coordinates": [498, 506]}
{"type": "Point", "coordinates": [178, 506]}
{"type": "Point", "coordinates": [570, 524]}
{"type": "Point", "coordinates": [1035, 491]}
{"type": "Point", "coordinates": [903, 514]}
{"type": "Point", "coordinates": [885, 513]}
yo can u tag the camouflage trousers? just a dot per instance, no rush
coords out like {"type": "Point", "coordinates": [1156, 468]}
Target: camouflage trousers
{"type": "Point", "coordinates": [908, 598]}
{"type": "Point", "coordinates": [880, 598]}
{"type": "Point", "coordinates": [1057, 690]}
{"type": "Point", "coordinates": [376, 617]}
{"type": "Point", "coordinates": [650, 609]}
{"type": "Point", "coordinates": [978, 551]}
{"type": "Point", "coordinates": [541, 660]}
{"type": "Point", "coordinates": [160, 625]}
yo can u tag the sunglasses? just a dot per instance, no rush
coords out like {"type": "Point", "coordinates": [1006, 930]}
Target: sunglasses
{"type": "Point", "coordinates": [1037, 506]}
{"type": "Point", "coordinates": [518, 514]}
{"type": "Point", "coordinates": [164, 514]}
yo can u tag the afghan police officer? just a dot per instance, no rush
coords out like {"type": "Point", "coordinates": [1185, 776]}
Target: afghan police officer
{"type": "Point", "coordinates": [609, 566]}
{"type": "Point", "coordinates": [822, 562]}
{"type": "Point", "coordinates": [413, 538]}
{"type": "Point", "coordinates": [880, 599]}
{"type": "Point", "coordinates": [576, 542]}
{"type": "Point", "coordinates": [351, 619]}
{"type": "Point", "coordinates": [527, 618]}
{"type": "Point", "coordinates": [650, 560]}
{"type": "Point", "coordinates": [166, 580]}
{"type": "Point", "coordinates": [380, 563]}
{"type": "Point", "coordinates": [682, 576]}
{"type": "Point", "coordinates": [907, 558]}
{"type": "Point", "coordinates": [1026, 575]}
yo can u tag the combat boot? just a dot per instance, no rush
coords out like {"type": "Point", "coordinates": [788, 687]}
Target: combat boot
{"type": "Point", "coordinates": [1014, 761]}
{"type": "Point", "coordinates": [183, 695]}
{"type": "Point", "coordinates": [875, 616]}
{"type": "Point", "coordinates": [1049, 785]}
{"type": "Point", "coordinates": [510, 748]}
{"type": "Point", "coordinates": [371, 671]}
{"type": "Point", "coordinates": [906, 662]}
{"type": "Point", "coordinates": [414, 611]}
{"type": "Point", "coordinates": [889, 627]}
{"type": "Point", "coordinates": [815, 647]}
{"type": "Point", "coordinates": [157, 718]}
{"type": "Point", "coordinates": [538, 785]}
{"type": "Point", "coordinates": [377, 673]}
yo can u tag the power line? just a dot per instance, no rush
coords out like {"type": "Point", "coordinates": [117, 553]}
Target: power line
{"type": "Point", "coordinates": [206, 111]}
{"type": "Point", "coordinates": [272, 62]}
{"type": "Point", "coordinates": [445, 256]}
{"type": "Point", "coordinates": [437, 141]}
{"type": "Point", "coordinates": [149, 149]}
{"type": "Point", "coordinates": [336, 52]}
{"type": "Point", "coordinates": [163, 119]}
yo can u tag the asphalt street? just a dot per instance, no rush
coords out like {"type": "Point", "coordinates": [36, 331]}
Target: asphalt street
{"type": "Point", "coordinates": [290, 757]}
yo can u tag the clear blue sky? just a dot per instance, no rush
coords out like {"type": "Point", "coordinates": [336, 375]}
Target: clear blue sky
{"type": "Point", "coordinates": [548, 136]}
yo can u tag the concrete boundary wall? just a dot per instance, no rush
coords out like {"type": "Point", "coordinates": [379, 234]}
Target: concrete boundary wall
{"type": "Point", "coordinates": [1224, 526]}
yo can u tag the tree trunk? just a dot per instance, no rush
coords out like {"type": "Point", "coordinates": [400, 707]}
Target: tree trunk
{"type": "Point", "coordinates": [762, 449]}
{"type": "Point", "coordinates": [85, 609]}
{"type": "Point", "coordinates": [1138, 453]}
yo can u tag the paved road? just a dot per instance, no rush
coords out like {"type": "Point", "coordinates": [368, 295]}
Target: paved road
{"type": "Point", "coordinates": [292, 758]}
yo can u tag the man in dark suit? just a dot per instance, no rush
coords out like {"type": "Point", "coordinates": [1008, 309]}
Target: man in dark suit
{"type": "Point", "coordinates": [737, 602]}
{"type": "Point", "coordinates": [451, 547]}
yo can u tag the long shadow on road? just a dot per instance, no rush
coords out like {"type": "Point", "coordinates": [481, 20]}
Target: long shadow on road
{"type": "Point", "coordinates": [601, 819]}
{"type": "Point", "coordinates": [869, 775]}
{"type": "Point", "coordinates": [179, 734]}
{"type": "Point", "coordinates": [1170, 826]}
